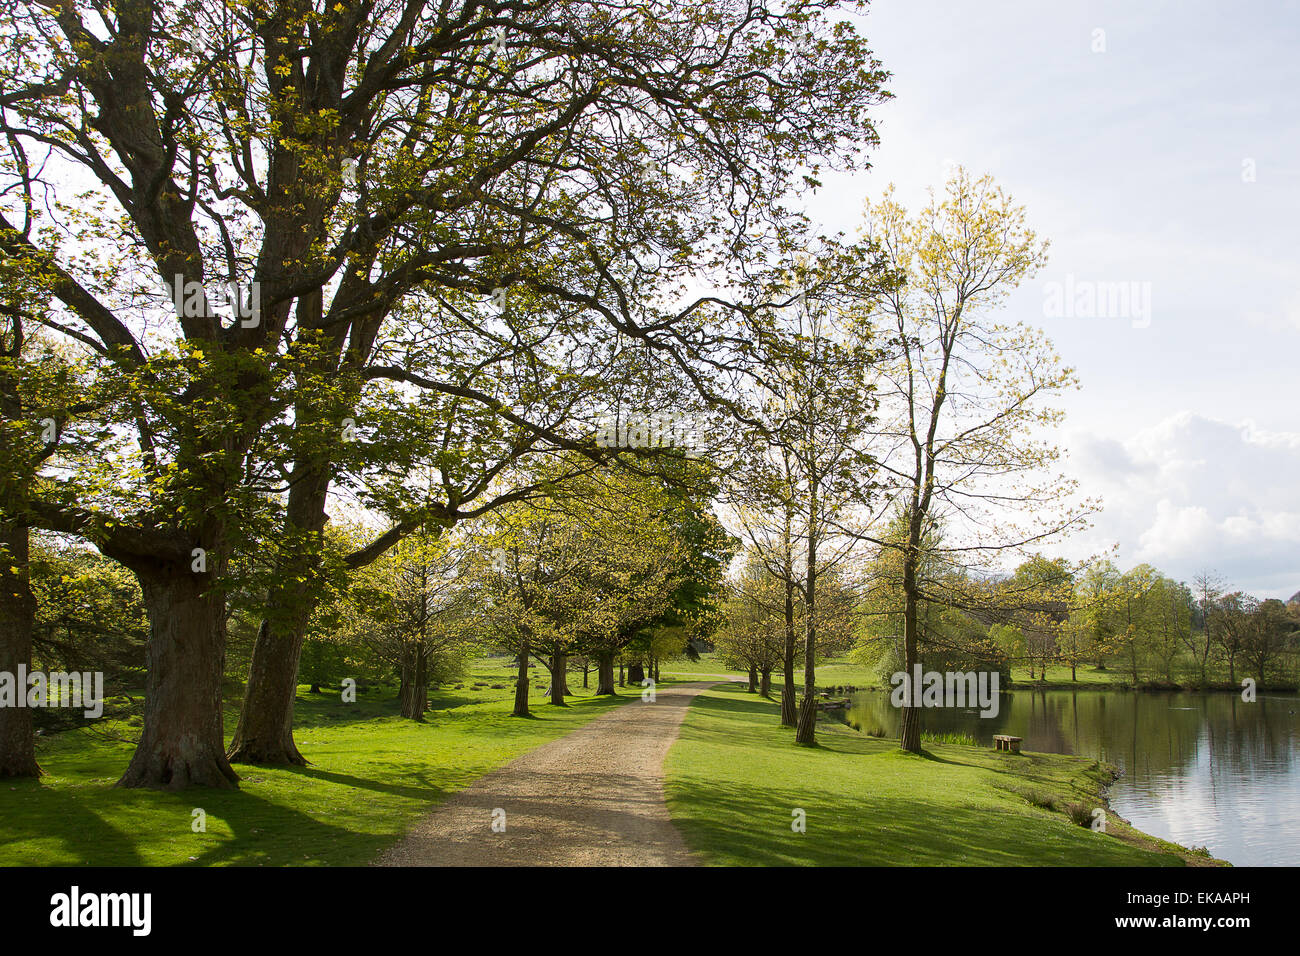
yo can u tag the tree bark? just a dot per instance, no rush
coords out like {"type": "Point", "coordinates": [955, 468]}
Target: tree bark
{"type": "Point", "coordinates": [753, 678]}
{"type": "Point", "coordinates": [559, 672]}
{"type": "Point", "coordinates": [521, 684]}
{"type": "Point", "coordinates": [806, 732]}
{"type": "Point", "coordinates": [635, 673]}
{"type": "Point", "coordinates": [17, 614]}
{"type": "Point", "coordinates": [765, 681]}
{"type": "Point", "coordinates": [789, 712]}
{"type": "Point", "coordinates": [181, 743]}
{"type": "Point", "coordinates": [909, 738]}
{"type": "Point", "coordinates": [264, 734]}
{"type": "Point", "coordinates": [414, 691]}
{"type": "Point", "coordinates": [605, 674]}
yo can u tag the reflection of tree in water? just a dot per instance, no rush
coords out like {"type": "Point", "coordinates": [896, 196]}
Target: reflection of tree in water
{"type": "Point", "coordinates": [1204, 769]}
{"type": "Point", "coordinates": [1045, 727]}
{"type": "Point", "coordinates": [1146, 734]}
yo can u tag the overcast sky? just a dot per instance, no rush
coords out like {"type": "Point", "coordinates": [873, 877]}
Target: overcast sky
{"type": "Point", "coordinates": [1157, 144]}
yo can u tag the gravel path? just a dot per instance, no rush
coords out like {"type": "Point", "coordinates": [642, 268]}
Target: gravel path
{"type": "Point", "coordinates": [595, 797]}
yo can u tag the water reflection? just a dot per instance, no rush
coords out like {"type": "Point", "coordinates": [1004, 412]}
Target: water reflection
{"type": "Point", "coordinates": [1199, 769]}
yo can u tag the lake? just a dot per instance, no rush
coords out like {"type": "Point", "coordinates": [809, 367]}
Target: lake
{"type": "Point", "coordinates": [1199, 769]}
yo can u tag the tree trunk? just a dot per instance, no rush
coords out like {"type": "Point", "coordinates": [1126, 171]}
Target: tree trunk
{"type": "Point", "coordinates": [621, 675]}
{"type": "Point", "coordinates": [586, 668]}
{"type": "Point", "coordinates": [264, 734]}
{"type": "Point", "coordinates": [753, 678]}
{"type": "Point", "coordinates": [909, 738]}
{"type": "Point", "coordinates": [806, 728]}
{"type": "Point", "coordinates": [806, 732]}
{"type": "Point", "coordinates": [559, 671]}
{"type": "Point", "coordinates": [635, 673]}
{"type": "Point", "coordinates": [17, 614]}
{"type": "Point", "coordinates": [521, 685]}
{"type": "Point", "coordinates": [605, 674]}
{"type": "Point", "coordinates": [181, 742]}
{"type": "Point", "coordinates": [765, 682]}
{"type": "Point", "coordinates": [414, 693]}
{"type": "Point", "coordinates": [789, 712]}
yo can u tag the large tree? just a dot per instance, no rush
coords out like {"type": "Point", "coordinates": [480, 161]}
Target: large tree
{"type": "Point", "coordinates": [963, 414]}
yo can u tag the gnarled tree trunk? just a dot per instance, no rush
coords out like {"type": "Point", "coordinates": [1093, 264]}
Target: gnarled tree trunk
{"type": "Point", "coordinates": [181, 744]}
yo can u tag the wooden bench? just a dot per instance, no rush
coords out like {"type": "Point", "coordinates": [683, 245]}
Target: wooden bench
{"type": "Point", "coordinates": [1007, 742]}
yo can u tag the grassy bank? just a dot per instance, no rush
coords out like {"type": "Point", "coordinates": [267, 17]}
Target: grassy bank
{"type": "Point", "coordinates": [734, 780]}
{"type": "Point", "coordinates": [372, 775]}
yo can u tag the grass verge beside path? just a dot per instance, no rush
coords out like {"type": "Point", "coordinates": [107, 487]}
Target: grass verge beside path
{"type": "Point", "coordinates": [372, 775]}
{"type": "Point", "coordinates": [734, 778]}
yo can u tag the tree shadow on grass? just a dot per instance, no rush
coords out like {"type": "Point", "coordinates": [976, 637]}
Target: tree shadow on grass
{"type": "Point", "coordinates": [739, 823]}
{"type": "Point", "coordinates": [66, 815]}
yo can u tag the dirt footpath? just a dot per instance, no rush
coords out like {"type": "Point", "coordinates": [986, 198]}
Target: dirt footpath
{"type": "Point", "coordinates": [595, 797]}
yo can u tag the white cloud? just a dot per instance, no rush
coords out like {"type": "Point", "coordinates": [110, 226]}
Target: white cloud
{"type": "Point", "coordinates": [1192, 493]}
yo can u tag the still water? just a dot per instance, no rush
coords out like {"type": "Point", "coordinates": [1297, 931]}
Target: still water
{"type": "Point", "coordinates": [1199, 769]}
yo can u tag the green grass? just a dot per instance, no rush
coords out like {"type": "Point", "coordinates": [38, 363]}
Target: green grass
{"type": "Point", "coordinates": [1086, 676]}
{"type": "Point", "coordinates": [372, 775]}
{"type": "Point", "coordinates": [829, 673]}
{"type": "Point", "coordinates": [734, 778]}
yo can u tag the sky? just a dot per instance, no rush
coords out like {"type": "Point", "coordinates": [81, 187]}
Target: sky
{"type": "Point", "coordinates": [1157, 146]}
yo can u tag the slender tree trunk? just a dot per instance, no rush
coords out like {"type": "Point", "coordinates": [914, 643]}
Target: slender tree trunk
{"type": "Point", "coordinates": [765, 682]}
{"type": "Point", "coordinates": [806, 731]}
{"type": "Point", "coordinates": [559, 671]}
{"type": "Point", "coordinates": [753, 678]}
{"type": "Point", "coordinates": [17, 614]}
{"type": "Point", "coordinates": [586, 668]}
{"type": "Point", "coordinates": [910, 734]}
{"type": "Point", "coordinates": [621, 675]}
{"type": "Point", "coordinates": [264, 734]}
{"type": "Point", "coordinates": [181, 742]}
{"type": "Point", "coordinates": [521, 684]}
{"type": "Point", "coordinates": [789, 714]}
{"type": "Point", "coordinates": [605, 674]}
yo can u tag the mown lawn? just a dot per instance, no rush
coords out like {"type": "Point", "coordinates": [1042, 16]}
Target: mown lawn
{"type": "Point", "coordinates": [372, 775]}
{"type": "Point", "coordinates": [830, 673]}
{"type": "Point", "coordinates": [735, 778]}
